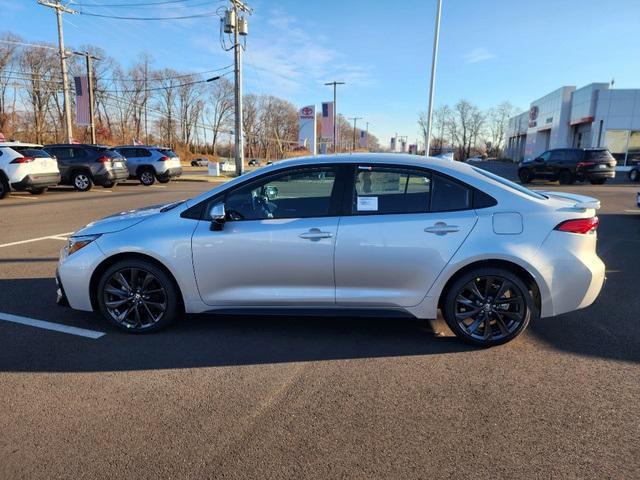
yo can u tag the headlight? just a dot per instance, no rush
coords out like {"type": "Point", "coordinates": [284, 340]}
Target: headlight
{"type": "Point", "coordinates": [77, 243]}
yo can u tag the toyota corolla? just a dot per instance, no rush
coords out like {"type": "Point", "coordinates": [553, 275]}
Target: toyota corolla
{"type": "Point", "coordinates": [367, 233]}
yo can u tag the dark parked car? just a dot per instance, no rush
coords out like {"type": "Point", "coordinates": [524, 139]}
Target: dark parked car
{"type": "Point", "coordinates": [568, 165]}
{"type": "Point", "coordinates": [84, 165]}
{"type": "Point", "coordinates": [254, 162]}
{"type": "Point", "coordinates": [199, 162]}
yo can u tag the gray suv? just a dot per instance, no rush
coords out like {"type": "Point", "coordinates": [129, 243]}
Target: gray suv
{"type": "Point", "coordinates": [84, 165]}
{"type": "Point", "coordinates": [150, 163]}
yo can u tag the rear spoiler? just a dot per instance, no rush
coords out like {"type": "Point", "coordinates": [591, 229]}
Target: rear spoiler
{"type": "Point", "coordinates": [582, 202]}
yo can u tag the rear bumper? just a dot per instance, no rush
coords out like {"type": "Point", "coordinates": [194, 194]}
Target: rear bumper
{"type": "Point", "coordinates": [111, 176]}
{"type": "Point", "coordinates": [37, 181]}
{"type": "Point", "coordinates": [171, 173]}
{"type": "Point", "coordinates": [594, 174]}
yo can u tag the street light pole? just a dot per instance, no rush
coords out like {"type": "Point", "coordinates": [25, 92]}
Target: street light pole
{"type": "Point", "coordinates": [335, 115]}
{"type": "Point", "coordinates": [436, 37]}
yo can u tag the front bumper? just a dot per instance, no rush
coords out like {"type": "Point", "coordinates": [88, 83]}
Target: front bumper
{"type": "Point", "coordinates": [61, 297]}
{"type": "Point", "coordinates": [37, 181]}
{"type": "Point", "coordinates": [74, 275]}
{"type": "Point", "coordinates": [171, 173]}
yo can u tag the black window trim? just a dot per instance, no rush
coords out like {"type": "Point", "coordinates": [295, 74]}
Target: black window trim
{"type": "Point", "coordinates": [348, 197]}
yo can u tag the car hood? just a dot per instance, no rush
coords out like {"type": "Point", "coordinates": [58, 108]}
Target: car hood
{"type": "Point", "coordinates": [120, 221]}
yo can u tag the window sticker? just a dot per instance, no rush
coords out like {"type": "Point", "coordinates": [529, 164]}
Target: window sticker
{"type": "Point", "coordinates": [367, 204]}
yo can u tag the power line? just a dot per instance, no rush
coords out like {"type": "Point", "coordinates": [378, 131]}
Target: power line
{"type": "Point", "coordinates": [167, 2]}
{"type": "Point", "coordinates": [119, 17]}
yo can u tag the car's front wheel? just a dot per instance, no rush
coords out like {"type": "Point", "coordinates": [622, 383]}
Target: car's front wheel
{"type": "Point", "coordinates": [525, 175]}
{"type": "Point", "coordinates": [138, 297]}
{"type": "Point", "coordinates": [488, 306]}
{"type": "Point", "coordinates": [565, 177]}
{"type": "Point", "coordinates": [634, 175]}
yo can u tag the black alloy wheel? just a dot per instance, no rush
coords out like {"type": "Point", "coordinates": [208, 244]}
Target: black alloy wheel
{"type": "Point", "coordinates": [488, 307]}
{"type": "Point", "coordinates": [565, 177]}
{"type": "Point", "coordinates": [138, 297]}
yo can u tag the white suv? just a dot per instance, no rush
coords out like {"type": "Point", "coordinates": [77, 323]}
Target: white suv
{"type": "Point", "coordinates": [25, 166]}
{"type": "Point", "coordinates": [150, 163]}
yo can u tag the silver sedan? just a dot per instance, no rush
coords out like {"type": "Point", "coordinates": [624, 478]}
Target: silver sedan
{"type": "Point", "coordinates": [368, 233]}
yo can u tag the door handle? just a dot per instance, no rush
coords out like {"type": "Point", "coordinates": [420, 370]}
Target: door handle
{"type": "Point", "coordinates": [441, 228]}
{"type": "Point", "coordinates": [315, 234]}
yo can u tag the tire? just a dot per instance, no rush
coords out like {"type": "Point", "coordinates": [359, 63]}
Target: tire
{"type": "Point", "coordinates": [634, 175]}
{"type": "Point", "coordinates": [147, 177]}
{"type": "Point", "coordinates": [525, 176]}
{"type": "Point", "coordinates": [505, 320]}
{"type": "Point", "coordinates": [164, 179]}
{"type": "Point", "coordinates": [37, 191]}
{"type": "Point", "coordinates": [5, 188]}
{"type": "Point", "coordinates": [81, 181]}
{"type": "Point", "coordinates": [598, 181]}
{"type": "Point", "coordinates": [118, 300]}
{"type": "Point", "coordinates": [194, 164]}
{"type": "Point", "coordinates": [565, 177]}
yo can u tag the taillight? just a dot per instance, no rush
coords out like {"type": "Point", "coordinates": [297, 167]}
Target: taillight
{"type": "Point", "coordinates": [23, 160]}
{"type": "Point", "coordinates": [163, 159]}
{"type": "Point", "coordinates": [103, 159]}
{"type": "Point", "coordinates": [579, 225]}
{"type": "Point", "coordinates": [585, 164]}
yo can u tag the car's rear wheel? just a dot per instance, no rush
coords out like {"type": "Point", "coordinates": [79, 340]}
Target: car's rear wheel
{"type": "Point", "coordinates": [164, 179]}
{"type": "Point", "coordinates": [565, 177]}
{"type": "Point", "coordinates": [37, 191]}
{"type": "Point", "coordinates": [81, 181]}
{"type": "Point", "coordinates": [147, 177]}
{"type": "Point", "coordinates": [488, 306]}
{"type": "Point", "coordinates": [634, 175]}
{"type": "Point", "coordinates": [138, 297]}
{"type": "Point", "coordinates": [525, 175]}
{"type": "Point", "coordinates": [4, 186]}
{"type": "Point", "coordinates": [598, 181]}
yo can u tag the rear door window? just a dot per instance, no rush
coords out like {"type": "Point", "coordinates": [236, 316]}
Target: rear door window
{"type": "Point", "coordinates": [382, 190]}
{"type": "Point", "coordinates": [166, 151]}
{"type": "Point", "coordinates": [557, 156]}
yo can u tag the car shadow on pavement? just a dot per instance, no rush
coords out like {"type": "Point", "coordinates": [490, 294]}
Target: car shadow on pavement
{"type": "Point", "coordinates": [609, 328]}
{"type": "Point", "coordinates": [198, 340]}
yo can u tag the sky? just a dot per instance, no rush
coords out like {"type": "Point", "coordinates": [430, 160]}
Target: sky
{"type": "Point", "coordinates": [490, 50]}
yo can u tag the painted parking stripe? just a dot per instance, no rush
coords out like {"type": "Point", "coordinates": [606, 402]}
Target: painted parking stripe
{"type": "Point", "coordinates": [57, 236]}
{"type": "Point", "coordinates": [56, 327]}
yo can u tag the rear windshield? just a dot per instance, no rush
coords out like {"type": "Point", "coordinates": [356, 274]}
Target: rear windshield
{"type": "Point", "coordinates": [598, 155]}
{"type": "Point", "coordinates": [31, 152]}
{"type": "Point", "coordinates": [510, 184]}
{"type": "Point", "coordinates": [167, 151]}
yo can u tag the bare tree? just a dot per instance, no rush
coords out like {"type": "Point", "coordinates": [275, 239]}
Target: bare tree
{"type": "Point", "coordinates": [221, 108]}
{"type": "Point", "coordinates": [497, 123]}
{"type": "Point", "coordinates": [8, 58]}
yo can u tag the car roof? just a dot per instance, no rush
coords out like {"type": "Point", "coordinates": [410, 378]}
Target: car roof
{"type": "Point", "coordinates": [142, 146]}
{"type": "Point", "coordinates": [20, 144]}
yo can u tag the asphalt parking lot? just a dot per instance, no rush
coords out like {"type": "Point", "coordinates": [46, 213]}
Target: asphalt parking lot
{"type": "Point", "coordinates": [288, 397]}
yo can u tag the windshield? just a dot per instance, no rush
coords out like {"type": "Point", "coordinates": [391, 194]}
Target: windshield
{"type": "Point", "coordinates": [510, 184]}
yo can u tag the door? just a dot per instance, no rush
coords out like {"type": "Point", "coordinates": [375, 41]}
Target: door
{"type": "Point", "coordinates": [405, 226]}
{"type": "Point", "coordinates": [556, 162]}
{"type": "Point", "coordinates": [277, 244]}
{"type": "Point", "coordinates": [540, 165]}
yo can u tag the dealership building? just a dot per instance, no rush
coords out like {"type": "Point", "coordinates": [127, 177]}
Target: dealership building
{"type": "Point", "coordinates": [592, 116]}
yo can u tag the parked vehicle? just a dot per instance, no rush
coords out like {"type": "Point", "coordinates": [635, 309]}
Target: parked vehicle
{"type": "Point", "coordinates": [150, 163]}
{"type": "Point", "coordinates": [26, 167]}
{"type": "Point", "coordinates": [345, 233]}
{"type": "Point", "coordinates": [634, 173]}
{"type": "Point", "coordinates": [254, 162]}
{"type": "Point", "coordinates": [199, 162]}
{"type": "Point", "coordinates": [83, 165]}
{"type": "Point", "coordinates": [567, 165]}
{"type": "Point", "coordinates": [475, 158]}
{"type": "Point", "coordinates": [446, 156]}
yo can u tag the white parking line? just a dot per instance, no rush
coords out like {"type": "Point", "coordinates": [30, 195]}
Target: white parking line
{"type": "Point", "coordinates": [56, 327]}
{"type": "Point", "coordinates": [58, 236]}
{"type": "Point", "coordinates": [30, 197]}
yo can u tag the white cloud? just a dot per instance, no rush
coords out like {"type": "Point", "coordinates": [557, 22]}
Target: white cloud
{"type": "Point", "coordinates": [478, 54]}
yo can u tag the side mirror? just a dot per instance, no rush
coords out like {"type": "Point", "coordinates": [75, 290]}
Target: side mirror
{"type": "Point", "coordinates": [218, 217]}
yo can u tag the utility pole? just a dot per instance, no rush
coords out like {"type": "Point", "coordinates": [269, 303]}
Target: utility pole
{"type": "Point", "coordinates": [146, 98]}
{"type": "Point", "coordinates": [355, 121]}
{"type": "Point", "coordinates": [88, 59]}
{"type": "Point", "coordinates": [335, 115]}
{"type": "Point", "coordinates": [236, 24]}
{"type": "Point", "coordinates": [436, 37]}
{"type": "Point", "coordinates": [59, 8]}
{"type": "Point", "coordinates": [367, 137]}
